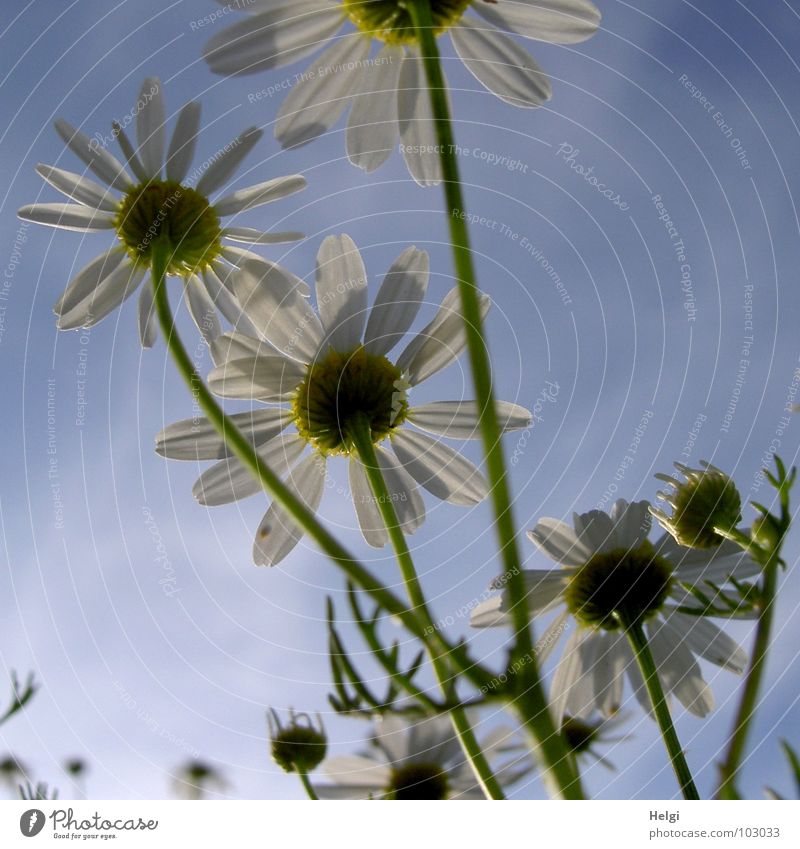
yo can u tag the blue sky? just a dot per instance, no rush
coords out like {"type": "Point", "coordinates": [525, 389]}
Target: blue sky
{"type": "Point", "coordinates": [137, 680]}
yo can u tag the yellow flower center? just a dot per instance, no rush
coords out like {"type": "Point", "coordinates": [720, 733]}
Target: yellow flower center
{"type": "Point", "coordinates": [390, 20]}
{"type": "Point", "coordinates": [341, 389]}
{"type": "Point", "coordinates": [619, 587]}
{"type": "Point", "coordinates": [164, 209]}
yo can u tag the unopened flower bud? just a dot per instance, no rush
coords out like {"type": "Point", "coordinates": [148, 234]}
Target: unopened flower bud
{"type": "Point", "coordinates": [707, 500]}
{"type": "Point", "coordinates": [298, 746]}
{"type": "Point", "coordinates": [766, 533]}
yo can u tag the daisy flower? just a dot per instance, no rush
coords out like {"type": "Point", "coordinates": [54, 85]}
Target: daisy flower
{"type": "Point", "coordinates": [420, 760]}
{"type": "Point", "coordinates": [609, 571]}
{"type": "Point", "coordinates": [156, 197]}
{"type": "Point", "coordinates": [388, 91]}
{"type": "Point", "coordinates": [327, 373]}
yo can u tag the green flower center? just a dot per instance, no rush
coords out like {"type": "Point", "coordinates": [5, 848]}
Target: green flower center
{"type": "Point", "coordinates": [619, 586]}
{"type": "Point", "coordinates": [166, 209]}
{"type": "Point", "coordinates": [341, 390]}
{"type": "Point", "coordinates": [418, 781]}
{"type": "Point", "coordinates": [390, 20]}
{"type": "Point", "coordinates": [706, 501]}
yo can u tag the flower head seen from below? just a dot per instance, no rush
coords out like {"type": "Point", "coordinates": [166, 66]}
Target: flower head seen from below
{"type": "Point", "coordinates": [155, 200]}
{"type": "Point", "coordinates": [298, 746]}
{"type": "Point", "coordinates": [611, 574]}
{"type": "Point", "coordinates": [388, 91]}
{"type": "Point", "coordinates": [707, 500]}
{"type": "Point", "coordinates": [326, 374]}
{"type": "Point", "coordinates": [419, 760]}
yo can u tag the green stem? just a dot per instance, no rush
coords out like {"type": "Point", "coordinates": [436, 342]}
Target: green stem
{"type": "Point", "coordinates": [647, 666]}
{"type": "Point", "coordinates": [362, 439]}
{"type": "Point", "coordinates": [308, 786]}
{"type": "Point", "coordinates": [532, 702]}
{"type": "Point", "coordinates": [755, 672]}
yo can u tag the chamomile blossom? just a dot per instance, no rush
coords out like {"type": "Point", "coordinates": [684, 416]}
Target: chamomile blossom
{"type": "Point", "coordinates": [417, 760]}
{"type": "Point", "coordinates": [388, 91]}
{"type": "Point", "coordinates": [155, 198]}
{"type": "Point", "coordinates": [609, 574]}
{"type": "Point", "coordinates": [324, 374]}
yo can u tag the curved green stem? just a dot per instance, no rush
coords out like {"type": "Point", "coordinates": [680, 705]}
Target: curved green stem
{"type": "Point", "coordinates": [532, 702]}
{"type": "Point", "coordinates": [362, 440]}
{"type": "Point", "coordinates": [308, 786]}
{"type": "Point", "coordinates": [755, 672]}
{"type": "Point", "coordinates": [647, 666]}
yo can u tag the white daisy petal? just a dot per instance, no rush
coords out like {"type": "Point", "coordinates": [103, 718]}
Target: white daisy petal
{"type": "Point", "coordinates": [202, 309]}
{"type": "Point", "coordinates": [370, 520]}
{"type": "Point", "coordinates": [372, 126]}
{"type": "Point", "coordinates": [391, 735]}
{"type": "Point", "coordinates": [81, 189]}
{"type": "Point", "coordinates": [718, 565]}
{"type": "Point", "coordinates": [68, 216]}
{"type": "Point", "coordinates": [596, 529]}
{"type": "Point", "coordinates": [183, 142]}
{"type": "Point", "coordinates": [278, 311]}
{"type": "Point", "coordinates": [225, 166]}
{"type": "Point", "coordinates": [407, 501]}
{"type": "Point", "coordinates": [278, 533]}
{"type": "Point", "coordinates": [252, 236]}
{"type": "Point", "coordinates": [266, 377]}
{"type": "Point", "coordinates": [438, 344]}
{"type": "Point", "coordinates": [117, 287]}
{"type": "Point", "coordinates": [560, 542]}
{"type": "Point", "coordinates": [236, 346]}
{"type": "Point", "coordinates": [491, 613]}
{"type": "Point", "coordinates": [632, 523]}
{"type": "Point", "coordinates": [558, 21]}
{"type": "Point", "coordinates": [568, 672]}
{"type": "Point", "coordinates": [104, 164]}
{"type": "Point", "coordinates": [550, 636]}
{"type": "Point", "coordinates": [416, 125]}
{"type": "Point", "coordinates": [341, 292]}
{"type": "Point", "coordinates": [230, 480]}
{"type": "Point", "coordinates": [442, 471]}
{"type": "Point", "coordinates": [580, 701]}
{"type": "Point", "coordinates": [679, 671]}
{"type": "Point", "coordinates": [221, 296]}
{"type": "Point", "coordinates": [331, 792]}
{"type": "Point", "coordinates": [609, 671]}
{"type": "Point", "coordinates": [198, 439]}
{"type": "Point", "coordinates": [359, 771]}
{"type": "Point", "coordinates": [273, 37]}
{"type": "Point", "coordinates": [150, 129]}
{"type": "Point", "coordinates": [315, 103]}
{"type": "Point", "coordinates": [253, 196]}
{"type": "Point", "coordinates": [129, 151]}
{"type": "Point", "coordinates": [505, 68]}
{"type": "Point", "coordinates": [89, 278]}
{"type": "Point", "coordinates": [460, 419]}
{"type": "Point", "coordinates": [263, 269]}
{"type": "Point", "coordinates": [148, 321]}
{"type": "Point", "coordinates": [706, 640]}
{"type": "Point", "coordinates": [398, 301]}
{"type": "Point", "coordinates": [543, 587]}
